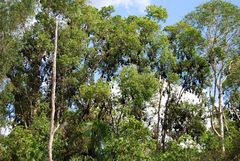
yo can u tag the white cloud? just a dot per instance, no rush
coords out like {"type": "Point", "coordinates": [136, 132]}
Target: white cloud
{"type": "Point", "coordinates": [140, 5]}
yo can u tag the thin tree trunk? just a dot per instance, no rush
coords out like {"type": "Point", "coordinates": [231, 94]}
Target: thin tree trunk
{"type": "Point", "coordinates": [211, 114]}
{"type": "Point", "coordinates": [213, 100]}
{"type": "Point", "coordinates": [221, 115]}
{"type": "Point", "coordinates": [53, 98]}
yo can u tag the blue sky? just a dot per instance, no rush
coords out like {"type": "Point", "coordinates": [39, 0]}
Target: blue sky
{"type": "Point", "coordinates": [176, 8]}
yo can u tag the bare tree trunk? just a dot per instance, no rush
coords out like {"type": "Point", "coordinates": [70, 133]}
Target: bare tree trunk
{"type": "Point", "coordinates": [219, 110]}
{"type": "Point", "coordinates": [221, 115]}
{"type": "Point", "coordinates": [211, 114]}
{"type": "Point", "coordinates": [53, 98]}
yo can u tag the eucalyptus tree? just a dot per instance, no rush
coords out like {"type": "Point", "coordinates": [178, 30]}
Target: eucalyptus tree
{"type": "Point", "coordinates": [219, 24]}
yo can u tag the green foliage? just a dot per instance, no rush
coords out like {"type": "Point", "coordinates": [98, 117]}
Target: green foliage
{"type": "Point", "coordinates": [167, 67]}
{"type": "Point", "coordinates": [183, 149]}
{"type": "Point", "coordinates": [135, 86]}
{"type": "Point", "coordinates": [232, 142]}
{"type": "Point", "coordinates": [132, 142]}
{"type": "Point", "coordinates": [220, 44]}
{"type": "Point", "coordinates": [85, 139]}
{"type": "Point", "coordinates": [186, 119]}
{"type": "Point", "coordinates": [13, 15]}
{"type": "Point", "coordinates": [192, 67]}
{"type": "Point", "coordinates": [27, 144]}
{"type": "Point", "coordinates": [98, 92]}
{"type": "Point", "coordinates": [232, 83]}
{"type": "Point", "coordinates": [156, 12]}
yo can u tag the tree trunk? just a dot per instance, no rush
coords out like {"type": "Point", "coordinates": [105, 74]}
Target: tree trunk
{"type": "Point", "coordinates": [221, 116]}
{"type": "Point", "coordinates": [53, 98]}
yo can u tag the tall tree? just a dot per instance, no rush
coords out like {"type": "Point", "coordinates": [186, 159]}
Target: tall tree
{"type": "Point", "coordinates": [53, 127]}
{"type": "Point", "coordinates": [184, 67]}
{"type": "Point", "coordinates": [219, 24]}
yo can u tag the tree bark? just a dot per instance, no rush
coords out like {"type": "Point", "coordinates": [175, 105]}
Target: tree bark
{"type": "Point", "coordinates": [53, 98]}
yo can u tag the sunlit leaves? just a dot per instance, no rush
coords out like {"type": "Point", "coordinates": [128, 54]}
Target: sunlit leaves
{"type": "Point", "coordinates": [157, 13]}
{"type": "Point", "coordinates": [139, 87]}
{"type": "Point", "coordinates": [97, 92]}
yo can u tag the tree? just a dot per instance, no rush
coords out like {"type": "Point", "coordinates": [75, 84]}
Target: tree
{"type": "Point", "coordinates": [219, 24]}
{"type": "Point", "coordinates": [182, 66]}
{"type": "Point", "coordinates": [14, 17]}
{"type": "Point", "coordinates": [53, 127]}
